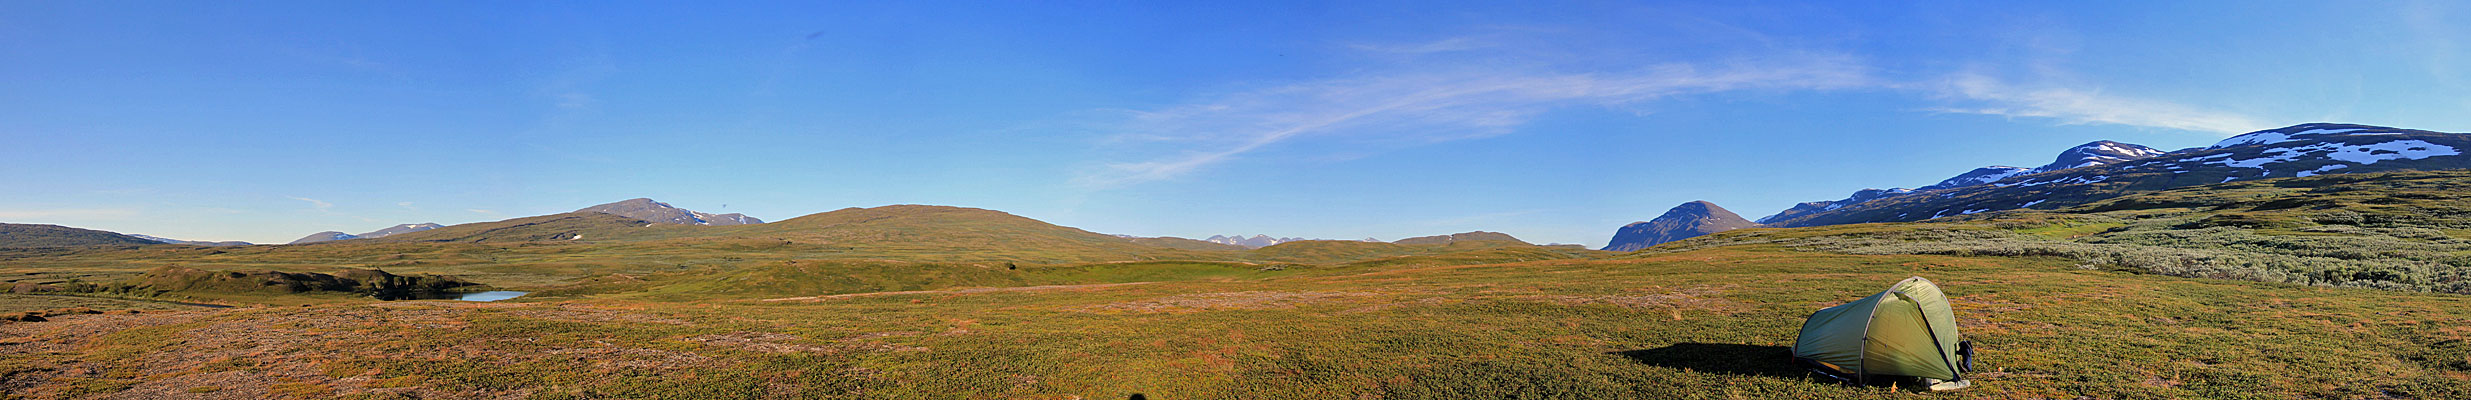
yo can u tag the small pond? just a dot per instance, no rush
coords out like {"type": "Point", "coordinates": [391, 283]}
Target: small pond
{"type": "Point", "coordinates": [493, 295]}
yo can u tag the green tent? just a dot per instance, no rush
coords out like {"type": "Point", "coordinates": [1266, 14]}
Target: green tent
{"type": "Point", "coordinates": [1906, 331]}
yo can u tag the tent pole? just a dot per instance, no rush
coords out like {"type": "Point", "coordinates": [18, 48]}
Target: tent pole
{"type": "Point", "coordinates": [1934, 339]}
{"type": "Point", "coordinates": [1862, 373]}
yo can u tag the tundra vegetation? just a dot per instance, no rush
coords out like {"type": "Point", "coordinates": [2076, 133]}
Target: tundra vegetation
{"type": "Point", "coordinates": [2342, 286]}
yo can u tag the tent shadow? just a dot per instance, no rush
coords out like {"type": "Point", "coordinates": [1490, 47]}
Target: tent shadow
{"type": "Point", "coordinates": [1722, 358]}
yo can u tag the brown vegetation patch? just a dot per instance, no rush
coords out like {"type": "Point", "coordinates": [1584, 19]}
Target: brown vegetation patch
{"type": "Point", "coordinates": [1691, 298]}
{"type": "Point", "coordinates": [960, 291]}
{"type": "Point", "coordinates": [1222, 301]}
{"type": "Point", "coordinates": [1396, 305]}
{"type": "Point", "coordinates": [769, 342]}
{"type": "Point", "coordinates": [588, 314]}
{"type": "Point", "coordinates": [615, 357]}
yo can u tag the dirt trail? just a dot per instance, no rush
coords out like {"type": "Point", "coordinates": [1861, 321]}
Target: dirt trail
{"type": "Point", "coordinates": [961, 291]}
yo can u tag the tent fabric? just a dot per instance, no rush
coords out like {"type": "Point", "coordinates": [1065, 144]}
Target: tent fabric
{"type": "Point", "coordinates": [1907, 330]}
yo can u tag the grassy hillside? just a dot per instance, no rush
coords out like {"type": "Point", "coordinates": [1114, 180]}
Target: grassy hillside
{"type": "Point", "coordinates": [1710, 323]}
{"type": "Point", "coordinates": [568, 226]}
{"type": "Point", "coordinates": [1461, 237]}
{"type": "Point", "coordinates": [34, 235]}
{"type": "Point", "coordinates": [2315, 287]}
{"type": "Point", "coordinates": [545, 252]}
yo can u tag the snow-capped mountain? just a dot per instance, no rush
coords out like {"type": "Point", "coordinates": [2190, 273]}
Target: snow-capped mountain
{"type": "Point", "coordinates": [2313, 149]}
{"type": "Point", "coordinates": [663, 213]}
{"type": "Point", "coordinates": [159, 239]}
{"type": "Point", "coordinates": [2295, 151]}
{"type": "Point", "coordinates": [1255, 242]}
{"type": "Point", "coordinates": [400, 229]}
{"type": "Point", "coordinates": [329, 236]}
{"type": "Point", "coordinates": [1979, 176]}
{"type": "Point", "coordinates": [1858, 197]}
{"type": "Point", "coordinates": [2098, 153]}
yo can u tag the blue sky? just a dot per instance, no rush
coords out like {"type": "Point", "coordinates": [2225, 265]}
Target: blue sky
{"type": "Point", "coordinates": [267, 121]}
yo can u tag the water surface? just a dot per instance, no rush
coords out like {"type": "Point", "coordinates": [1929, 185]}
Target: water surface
{"type": "Point", "coordinates": [493, 295]}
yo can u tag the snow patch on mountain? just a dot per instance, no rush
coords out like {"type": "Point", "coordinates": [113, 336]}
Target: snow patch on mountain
{"type": "Point", "coordinates": [1256, 241]}
{"type": "Point", "coordinates": [2323, 169]}
{"type": "Point", "coordinates": [2303, 131]}
{"type": "Point", "coordinates": [2393, 150]}
{"type": "Point", "coordinates": [2360, 154]}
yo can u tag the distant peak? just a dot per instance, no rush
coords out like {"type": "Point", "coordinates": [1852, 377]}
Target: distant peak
{"type": "Point", "coordinates": [1684, 221]}
{"type": "Point", "coordinates": [2325, 125]}
{"type": "Point", "coordinates": [1461, 237]}
{"type": "Point", "coordinates": [1698, 207]}
{"type": "Point", "coordinates": [2099, 153]}
{"type": "Point", "coordinates": [657, 212]}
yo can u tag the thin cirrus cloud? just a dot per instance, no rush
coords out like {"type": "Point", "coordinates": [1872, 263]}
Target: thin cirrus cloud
{"type": "Point", "coordinates": [320, 205]}
{"type": "Point", "coordinates": [86, 213]}
{"type": "Point", "coordinates": [1430, 106]}
{"type": "Point", "coordinates": [1419, 103]}
{"type": "Point", "coordinates": [2075, 106]}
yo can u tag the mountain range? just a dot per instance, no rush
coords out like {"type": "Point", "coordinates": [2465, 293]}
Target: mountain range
{"type": "Point", "coordinates": [329, 236]}
{"type": "Point", "coordinates": [647, 210]}
{"type": "Point", "coordinates": [2295, 151]}
{"type": "Point", "coordinates": [1254, 242]}
{"type": "Point", "coordinates": [663, 213]}
{"type": "Point", "coordinates": [159, 239]}
{"type": "Point", "coordinates": [2079, 175]}
{"type": "Point", "coordinates": [2093, 172]}
{"type": "Point", "coordinates": [1477, 236]}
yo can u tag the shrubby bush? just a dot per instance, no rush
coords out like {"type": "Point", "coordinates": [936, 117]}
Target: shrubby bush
{"type": "Point", "coordinates": [2241, 255]}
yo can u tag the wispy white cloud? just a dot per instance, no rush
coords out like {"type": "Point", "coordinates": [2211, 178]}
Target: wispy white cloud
{"type": "Point", "coordinates": [79, 213]}
{"type": "Point", "coordinates": [2078, 106]}
{"type": "Point", "coordinates": [320, 205]}
{"type": "Point", "coordinates": [1462, 43]}
{"type": "Point", "coordinates": [576, 101]}
{"type": "Point", "coordinates": [1432, 106]}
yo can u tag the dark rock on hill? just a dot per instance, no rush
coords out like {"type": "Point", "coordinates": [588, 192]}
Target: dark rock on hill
{"type": "Point", "coordinates": [37, 235]}
{"type": "Point", "coordinates": [1689, 220]}
{"type": "Point", "coordinates": [1461, 237]}
{"type": "Point", "coordinates": [663, 213]}
{"type": "Point", "coordinates": [367, 282]}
